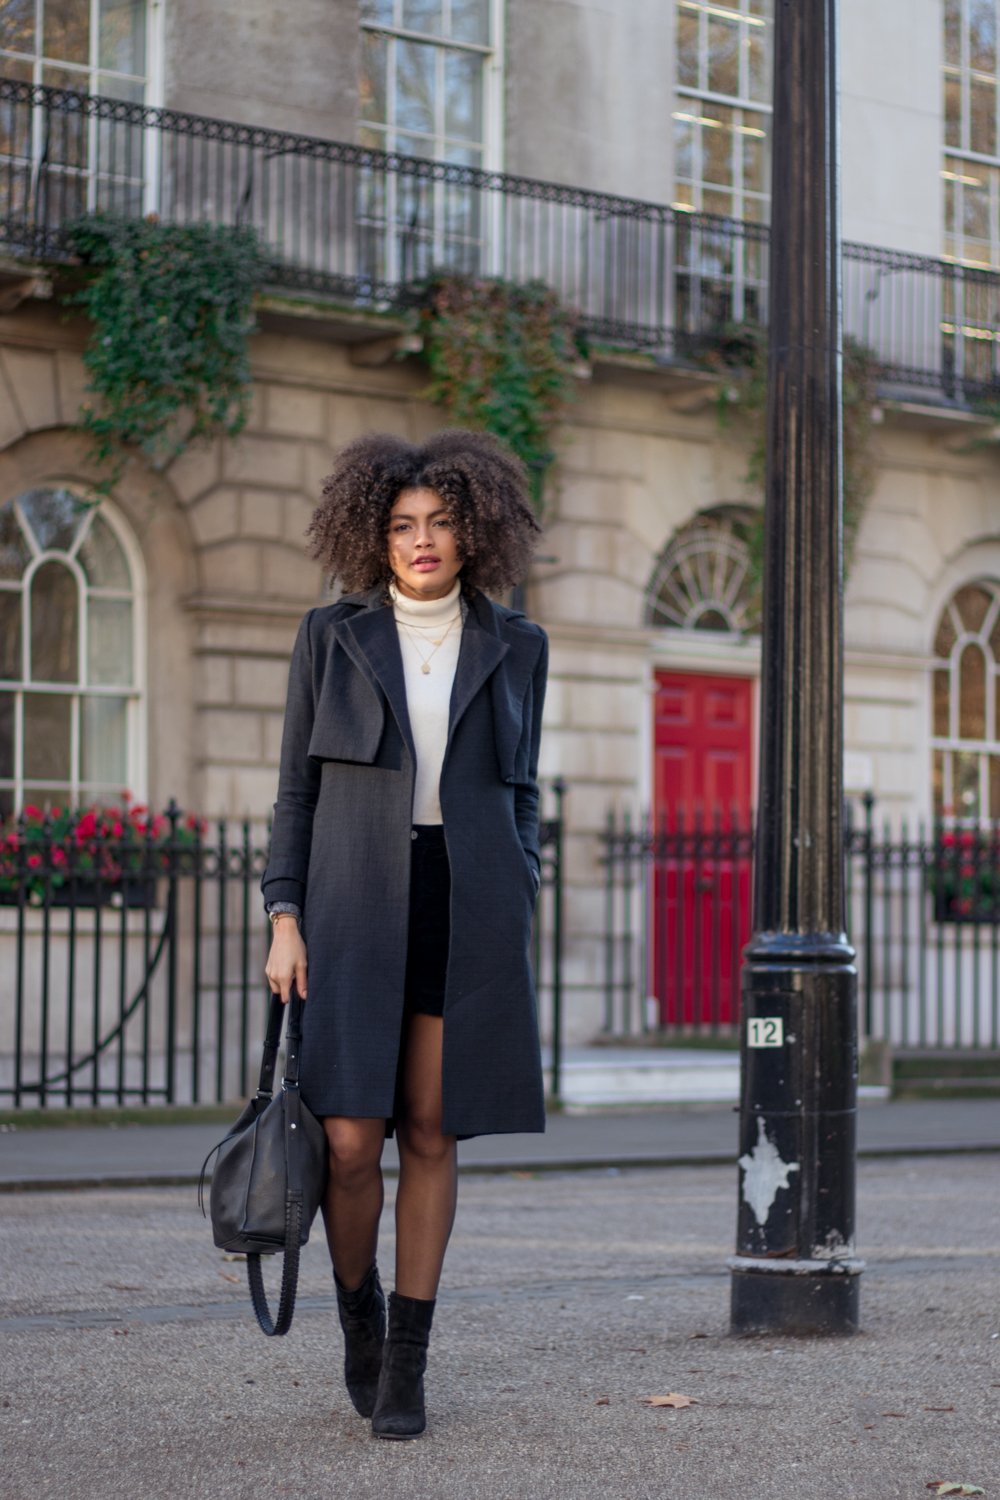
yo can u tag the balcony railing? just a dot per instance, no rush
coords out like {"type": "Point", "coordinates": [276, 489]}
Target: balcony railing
{"type": "Point", "coordinates": [366, 227]}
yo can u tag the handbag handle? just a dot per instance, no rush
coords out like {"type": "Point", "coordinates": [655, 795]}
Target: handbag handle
{"type": "Point", "coordinates": [272, 1039]}
{"type": "Point", "coordinates": [293, 1040]}
{"type": "Point", "coordinates": [281, 1321]}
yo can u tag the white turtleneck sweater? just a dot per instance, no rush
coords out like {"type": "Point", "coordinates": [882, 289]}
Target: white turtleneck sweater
{"type": "Point", "coordinates": [419, 623]}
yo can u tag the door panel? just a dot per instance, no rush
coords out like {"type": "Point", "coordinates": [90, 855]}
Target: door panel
{"type": "Point", "coordinates": [701, 869]}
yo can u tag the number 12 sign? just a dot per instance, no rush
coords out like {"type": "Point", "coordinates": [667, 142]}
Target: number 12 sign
{"type": "Point", "coordinates": [765, 1031]}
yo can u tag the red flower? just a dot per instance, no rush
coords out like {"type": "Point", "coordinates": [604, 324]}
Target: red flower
{"type": "Point", "coordinates": [86, 828]}
{"type": "Point", "coordinates": [34, 860]}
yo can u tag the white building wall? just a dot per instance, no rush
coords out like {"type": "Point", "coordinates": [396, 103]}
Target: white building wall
{"type": "Point", "coordinates": [590, 94]}
{"type": "Point", "coordinates": [891, 123]}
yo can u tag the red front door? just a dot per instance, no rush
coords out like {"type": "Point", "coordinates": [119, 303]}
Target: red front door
{"type": "Point", "coordinates": [701, 885]}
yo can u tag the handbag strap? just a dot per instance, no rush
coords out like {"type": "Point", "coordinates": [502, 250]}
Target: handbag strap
{"type": "Point", "coordinates": [282, 1321]}
{"type": "Point", "coordinates": [272, 1039]}
{"type": "Point", "coordinates": [294, 1196]}
{"type": "Point", "coordinates": [293, 1040]}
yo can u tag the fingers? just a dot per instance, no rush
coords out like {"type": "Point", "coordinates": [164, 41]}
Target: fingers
{"type": "Point", "coordinates": [287, 972]}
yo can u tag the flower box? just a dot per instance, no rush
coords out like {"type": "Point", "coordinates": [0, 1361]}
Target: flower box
{"type": "Point", "coordinates": [95, 856]}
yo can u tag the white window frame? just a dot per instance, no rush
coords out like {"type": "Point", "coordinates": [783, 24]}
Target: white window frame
{"type": "Point", "coordinates": [135, 693]}
{"type": "Point", "coordinates": [692, 103]}
{"type": "Point", "coordinates": [952, 743]}
{"type": "Point", "coordinates": [492, 53]}
{"type": "Point", "coordinates": [971, 321]}
{"type": "Point", "coordinates": [152, 93]}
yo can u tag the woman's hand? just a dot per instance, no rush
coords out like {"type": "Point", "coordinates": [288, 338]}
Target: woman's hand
{"type": "Point", "coordinates": [286, 963]}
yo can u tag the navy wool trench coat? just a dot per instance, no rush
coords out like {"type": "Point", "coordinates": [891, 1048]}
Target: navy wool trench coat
{"type": "Point", "coordinates": [340, 848]}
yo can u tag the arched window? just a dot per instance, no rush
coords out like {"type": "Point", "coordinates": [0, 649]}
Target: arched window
{"type": "Point", "coordinates": [703, 579]}
{"type": "Point", "coordinates": [966, 707]}
{"type": "Point", "coordinates": [69, 652]}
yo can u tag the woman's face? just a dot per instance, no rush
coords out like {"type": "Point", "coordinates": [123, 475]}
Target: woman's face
{"type": "Point", "coordinates": [423, 553]}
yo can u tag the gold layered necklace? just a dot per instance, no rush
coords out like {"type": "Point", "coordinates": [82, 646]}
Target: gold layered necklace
{"type": "Point", "coordinates": [436, 644]}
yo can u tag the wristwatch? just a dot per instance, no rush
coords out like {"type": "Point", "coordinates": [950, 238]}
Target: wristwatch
{"type": "Point", "coordinates": [275, 916]}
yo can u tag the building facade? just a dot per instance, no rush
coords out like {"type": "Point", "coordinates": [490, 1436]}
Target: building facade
{"type": "Point", "coordinates": [621, 154]}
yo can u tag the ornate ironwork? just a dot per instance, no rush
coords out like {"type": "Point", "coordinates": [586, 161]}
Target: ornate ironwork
{"type": "Point", "coordinates": [364, 227]}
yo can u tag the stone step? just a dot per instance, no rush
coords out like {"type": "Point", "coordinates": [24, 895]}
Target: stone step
{"type": "Point", "coordinates": [609, 1077]}
{"type": "Point", "coordinates": [592, 1077]}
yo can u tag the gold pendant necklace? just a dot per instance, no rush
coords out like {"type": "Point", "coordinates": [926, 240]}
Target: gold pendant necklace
{"type": "Point", "coordinates": [425, 661]}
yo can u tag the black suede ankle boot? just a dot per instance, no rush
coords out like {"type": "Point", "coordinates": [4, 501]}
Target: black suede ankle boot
{"type": "Point", "coordinates": [399, 1407]}
{"type": "Point", "coordinates": [362, 1317]}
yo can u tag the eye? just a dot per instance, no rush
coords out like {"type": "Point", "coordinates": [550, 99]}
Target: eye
{"type": "Point", "coordinates": [444, 521]}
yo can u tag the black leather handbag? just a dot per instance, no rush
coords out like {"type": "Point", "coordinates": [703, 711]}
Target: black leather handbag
{"type": "Point", "coordinates": [270, 1174]}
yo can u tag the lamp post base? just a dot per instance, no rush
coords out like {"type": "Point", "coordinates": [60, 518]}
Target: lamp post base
{"type": "Point", "coordinates": [797, 1298]}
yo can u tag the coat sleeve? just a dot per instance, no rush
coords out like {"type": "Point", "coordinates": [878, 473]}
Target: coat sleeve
{"type": "Point", "coordinates": [298, 783]}
{"type": "Point", "coordinates": [526, 789]}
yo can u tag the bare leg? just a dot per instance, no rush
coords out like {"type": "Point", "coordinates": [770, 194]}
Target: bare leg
{"type": "Point", "coordinates": [353, 1203]}
{"type": "Point", "coordinates": [428, 1174]}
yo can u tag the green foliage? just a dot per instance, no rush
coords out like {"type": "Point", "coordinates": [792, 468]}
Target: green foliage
{"type": "Point", "coordinates": [501, 357]}
{"type": "Point", "coordinates": [171, 307]}
{"type": "Point", "coordinates": [740, 355]}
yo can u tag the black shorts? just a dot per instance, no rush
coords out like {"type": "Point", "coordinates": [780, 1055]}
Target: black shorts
{"type": "Point", "coordinates": [430, 921]}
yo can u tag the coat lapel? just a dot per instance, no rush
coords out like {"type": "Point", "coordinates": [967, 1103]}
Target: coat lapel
{"type": "Point", "coordinates": [481, 652]}
{"type": "Point", "coordinates": [371, 640]}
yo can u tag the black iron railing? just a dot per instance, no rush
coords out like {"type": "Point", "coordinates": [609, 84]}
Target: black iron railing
{"type": "Point", "coordinates": [133, 967]}
{"type": "Point", "coordinates": [365, 227]}
{"type": "Point", "coordinates": [923, 914]}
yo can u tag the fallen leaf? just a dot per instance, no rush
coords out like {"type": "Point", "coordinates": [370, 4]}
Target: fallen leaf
{"type": "Point", "coordinates": [697, 1335]}
{"type": "Point", "coordinates": [951, 1487]}
{"type": "Point", "coordinates": [939, 1408]}
{"type": "Point", "coordinates": [122, 1286]}
{"type": "Point", "coordinates": [894, 1414]}
{"type": "Point", "coordinates": [603, 1401]}
{"type": "Point", "coordinates": [227, 1256]}
{"type": "Point", "coordinates": [673, 1399]}
{"type": "Point", "coordinates": [226, 1276]}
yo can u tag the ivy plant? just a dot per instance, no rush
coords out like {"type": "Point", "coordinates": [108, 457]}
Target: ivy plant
{"type": "Point", "coordinates": [740, 356]}
{"type": "Point", "coordinates": [171, 307]}
{"type": "Point", "coordinates": [501, 357]}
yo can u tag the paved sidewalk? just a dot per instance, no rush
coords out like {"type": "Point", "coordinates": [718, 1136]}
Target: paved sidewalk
{"type": "Point", "coordinates": [131, 1367]}
{"type": "Point", "coordinates": [163, 1154]}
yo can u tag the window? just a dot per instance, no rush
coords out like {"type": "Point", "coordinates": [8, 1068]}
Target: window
{"type": "Point", "coordinates": [703, 579]}
{"type": "Point", "coordinates": [971, 176]}
{"type": "Point", "coordinates": [96, 47]}
{"type": "Point", "coordinates": [428, 88]}
{"type": "Point", "coordinates": [723, 112]}
{"type": "Point", "coordinates": [69, 652]}
{"type": "Point", "coordinates": [722, 117]}
{"type": "Point", "coordinates": [966, 706]}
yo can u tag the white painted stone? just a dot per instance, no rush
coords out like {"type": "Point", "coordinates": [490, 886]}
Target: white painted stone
{"type": "Point", "coordinates": [231, 568]}
{"type": "Point", "coordinates": [262, 684]}
{"type": "Point", "coordinates": [216, 516]}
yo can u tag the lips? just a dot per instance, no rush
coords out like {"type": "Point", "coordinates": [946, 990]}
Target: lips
{"type": "Point", "coordinates": [423, 563]}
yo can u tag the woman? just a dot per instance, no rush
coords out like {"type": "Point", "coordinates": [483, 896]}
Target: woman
{"type": "Point", "coordinates": [404, 853]}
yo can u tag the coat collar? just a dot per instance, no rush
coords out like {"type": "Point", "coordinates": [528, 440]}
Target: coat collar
{"type": "Point", "coordinates": [372, 640]}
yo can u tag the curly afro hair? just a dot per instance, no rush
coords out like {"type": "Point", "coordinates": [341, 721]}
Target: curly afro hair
{"type": "Point", "coordinates": [483, 484]}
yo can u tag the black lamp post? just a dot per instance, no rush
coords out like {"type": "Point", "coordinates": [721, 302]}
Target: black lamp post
{"type": "Point", "coordinates": [795, 1271]}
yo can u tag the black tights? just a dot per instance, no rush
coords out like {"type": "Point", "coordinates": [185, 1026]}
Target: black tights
{"type": "Point", "coordinates": [428, 1177]}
